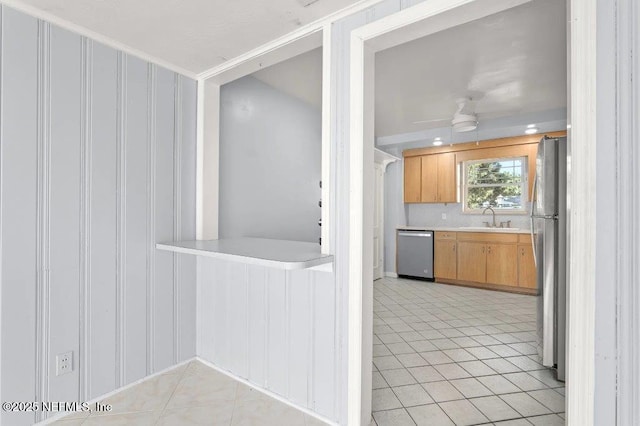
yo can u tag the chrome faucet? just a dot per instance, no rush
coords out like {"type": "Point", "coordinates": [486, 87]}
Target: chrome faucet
{"type": "Point", "coordinates": [494, 216]}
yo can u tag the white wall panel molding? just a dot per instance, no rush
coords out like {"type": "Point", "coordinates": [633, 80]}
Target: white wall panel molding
{"type": "Point", "coordinates": [177, 213]}
{"type": "Point", "coordinates": [43, 213]}
{"type": "Point", "coordinates": [273, 328]}
{"type": "Point", "coordinates": [107, 41]}
{"type": "Point", "coordinates": [85, 219]}
{"type": "Point", "coordinates": [121, 216]}
{"type": "Point", "coordinates": [151, 217]}
{"type": "Point", "coordinates": [86, 173]}
{"type": "Point", "coordinates": [628, 212]}
{"type": "Point", "coordinates": [1, 183]}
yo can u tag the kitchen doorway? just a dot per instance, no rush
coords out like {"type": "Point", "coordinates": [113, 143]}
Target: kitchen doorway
{"type": "Point", "coordinates": [393, 30]}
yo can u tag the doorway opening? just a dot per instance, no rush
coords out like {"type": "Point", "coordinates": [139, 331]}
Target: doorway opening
{"type": "Point", "coordinates": [366, 42]}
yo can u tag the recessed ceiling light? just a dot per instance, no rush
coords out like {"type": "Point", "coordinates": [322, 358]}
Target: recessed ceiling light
{"type": "Point", "coordinates": [531, 130]}
{"type": "Point", "coordinates": [437, 141]}
{"type": "Point", "coordinates": [530, 126]}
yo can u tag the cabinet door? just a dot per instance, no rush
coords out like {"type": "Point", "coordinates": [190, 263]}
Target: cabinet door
{"type": "Point", "coordinates": [502, 264]}
{"type": "Point", "coordinates": [472, 261]}
{"type": "Point", "coordinates": [429, 179]}
{"type": "Point", "coordinates": [447, 178]}
{"type": "Point", "coordinates": [526, 267]}
{"type": "Point", "coordinates": [445, 259]}
{"type": "Point", "coordinates": [412, 179]}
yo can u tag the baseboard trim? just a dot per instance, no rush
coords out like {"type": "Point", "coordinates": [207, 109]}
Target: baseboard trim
{"type": "Point", "coordinates": [267, 392]}
{"type": "Point", "coordinates": [120, 389]}
{"type": "Point", "coordinates": [391, 274]}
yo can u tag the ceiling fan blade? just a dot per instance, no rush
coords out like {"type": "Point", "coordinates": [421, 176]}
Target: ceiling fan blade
{"type": "Point", "coordinates": [432, 121]}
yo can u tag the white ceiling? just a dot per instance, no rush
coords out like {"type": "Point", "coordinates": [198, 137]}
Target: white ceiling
{"type": "Point", "coordinates": [300, 77]}
{"type": "Point", "coordinates": [193, 35]}
{"type": "Point", "coordinates": [512, 63]}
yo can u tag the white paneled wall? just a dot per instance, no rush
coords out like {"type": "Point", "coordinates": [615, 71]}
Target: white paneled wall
{"type": "Point", "coordinates": [97, 164]}
{"type": "Point", "coordinates": [272, 327]}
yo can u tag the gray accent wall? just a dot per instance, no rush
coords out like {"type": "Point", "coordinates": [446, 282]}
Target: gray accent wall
{"type": "Point", "coordinates": [270, 158]}
{"type": "Point", "coordinates": [97, 164]}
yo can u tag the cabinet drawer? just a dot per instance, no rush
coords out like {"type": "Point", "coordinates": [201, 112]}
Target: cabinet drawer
{"type": "Point", "coordinates": [445, 235]}
{"type": "Point", "coordinates": [489, 237]}
{"type": "Point", "coordinates": [524, 238]}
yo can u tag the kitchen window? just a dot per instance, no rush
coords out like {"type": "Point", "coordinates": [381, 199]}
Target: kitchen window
{"type": "Point", "coordinates": [499, 183]}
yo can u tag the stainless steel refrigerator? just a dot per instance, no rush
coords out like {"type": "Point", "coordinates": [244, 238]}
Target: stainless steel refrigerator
{"type": "Point", "coordinates": [548, 234]}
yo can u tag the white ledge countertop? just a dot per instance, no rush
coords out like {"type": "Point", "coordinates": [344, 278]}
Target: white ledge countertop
{"type": "Point", "coordinates": [280, 254]}
{"type": "Point", "coordinates": [464, 229]}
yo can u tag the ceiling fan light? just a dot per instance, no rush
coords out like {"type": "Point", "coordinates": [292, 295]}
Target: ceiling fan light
{"type": "Point", "coordinates": [464, 123]}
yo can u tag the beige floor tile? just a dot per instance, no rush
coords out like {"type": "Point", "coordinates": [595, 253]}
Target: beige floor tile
{"type": "Point", "coordinates": [266, 413]}
{"type": "Point", "coordinates": [206, 388]}
{"type": "Point", "coordinates": [494, 408]}
{"type": "Point", "coordinates": [146, 418]}
{"type": "Point", "coordinates": [412, 395]}
{"type": "Point", "coordinates": [430, 415]}
{"type": "Point", "coordinates": [384, 399]}
{"type": "Point", "coordinates": [463, 413]}
{"type": "Point", "coordinates": [150, 395]}
{"type": "Point", "coordinates": [524, 404]}
{"type": "Point", "coordinates": [214, 415]}
{"type": "Point", "coordinates": [398, 417]}
{"type": "Point", "coordinates": [442, 391]}
{"type": "Point", "coordinates": [313, 421]}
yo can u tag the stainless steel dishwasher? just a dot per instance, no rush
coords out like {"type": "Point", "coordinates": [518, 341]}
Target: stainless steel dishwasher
{"type": "Point", "coordinates": [415, 254]}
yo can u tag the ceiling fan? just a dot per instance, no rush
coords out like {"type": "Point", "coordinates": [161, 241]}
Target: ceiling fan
{"type": "Point", "coordinates": [464, 119]}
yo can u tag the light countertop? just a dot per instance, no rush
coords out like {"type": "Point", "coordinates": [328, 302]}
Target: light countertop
{"type": "Point", "coordinates": [464, 229]}
{"type": "Point", "coordinates": [280, 254]}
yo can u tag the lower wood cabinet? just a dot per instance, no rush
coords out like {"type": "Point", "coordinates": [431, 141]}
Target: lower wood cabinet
{"type": "Point", "coordinates": [445, 259]}
{"type": "Point", "coordinates": [491, 260]}
{"type": "Point", "coordinates": [502, 264]}
{"type": "Point", "coordinates": [472, 261]}
{"type": "Point", "coordinates": [527, 274]}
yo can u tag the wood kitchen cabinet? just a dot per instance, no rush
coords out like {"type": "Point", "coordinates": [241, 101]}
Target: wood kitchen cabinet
{"type": "Point", "coordinates": [445, 256]}
{"type": "Point", "coordinates": [412, 179]}
{"type": "Point", "coordinates": [447, 188]}
{"type": "Point", "coordinates": [502, 264]}
{"type": "Point", "coordinates": [527, 274]}
{"type": "Point", "coordinates": [472, 261]}
{"type": "Point", "coordinates": [430, 179]}
{"type": "Point", "coordinates": [495, 260]}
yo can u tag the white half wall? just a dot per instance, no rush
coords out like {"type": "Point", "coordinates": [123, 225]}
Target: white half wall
{"type": "Point", "coordinates": [97, 164]}
{"type": "Point", "coordinates": [273, 328]}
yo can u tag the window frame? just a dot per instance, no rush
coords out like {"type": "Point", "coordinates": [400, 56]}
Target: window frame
{"type": "Point", "coordinates": [524, 184]}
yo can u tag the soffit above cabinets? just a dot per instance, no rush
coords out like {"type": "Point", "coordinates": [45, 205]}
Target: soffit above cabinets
{"type": "Point", "coordinates": [512, 63]}
{"type": "Point", "coordinates": [193, 35]}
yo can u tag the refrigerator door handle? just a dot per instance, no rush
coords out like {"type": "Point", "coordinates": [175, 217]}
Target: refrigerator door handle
{"type": "Point", "coordinates": [531, 216]}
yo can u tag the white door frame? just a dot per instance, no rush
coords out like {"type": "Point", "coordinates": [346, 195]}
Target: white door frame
{"type": "Point", "coordinates": [435, 15]}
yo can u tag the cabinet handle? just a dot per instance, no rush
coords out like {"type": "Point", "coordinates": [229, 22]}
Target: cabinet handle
{"type": "Point", "coordinates": [489, 249]}
{"type": "Point", "coordinates": [454, 247]}
{"type": "Point", "coordinates": [483, 249]}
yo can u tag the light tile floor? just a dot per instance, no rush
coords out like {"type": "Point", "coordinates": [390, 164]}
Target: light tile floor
{"type": "Point", "coordinates": [193, 394]}
{"type": "Point", "coordinates": [449, 355]}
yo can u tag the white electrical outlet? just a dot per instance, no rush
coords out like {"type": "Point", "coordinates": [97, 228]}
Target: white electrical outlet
{"type": "Point", "coordinates": [64, 363]}
{"type": "Point", "coordinates": [444, 216]}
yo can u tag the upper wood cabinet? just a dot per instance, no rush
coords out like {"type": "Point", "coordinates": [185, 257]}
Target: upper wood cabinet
{"type": "Point", "coordinates": [447, 188]}
{"type": "Point", "coordinates": [430, 178]}
{"type": "Point", "coordinates": [412, 179]}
